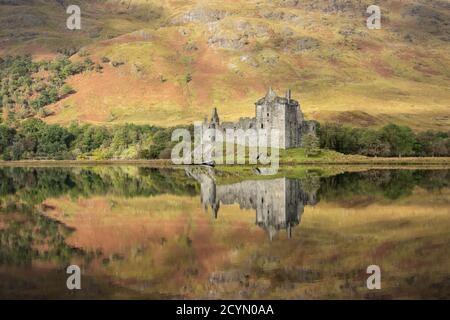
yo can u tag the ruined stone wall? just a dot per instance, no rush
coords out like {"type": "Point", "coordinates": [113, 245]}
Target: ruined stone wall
{"type": "Point", "coordinates": [271, 113]}
{"type": "Point", "coordinates": [305, 128]}
{"type": "Point", "coordinates": [243, 124]}
{"type": "Point", "coordinates": [292, 125]}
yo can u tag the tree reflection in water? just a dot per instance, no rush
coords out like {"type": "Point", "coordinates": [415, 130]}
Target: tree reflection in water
{"type": "Point", "coordinates": [31, 239]}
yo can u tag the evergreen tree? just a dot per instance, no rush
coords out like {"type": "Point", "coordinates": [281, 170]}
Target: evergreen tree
{"type": "Point", "coordinates": [311, 144]}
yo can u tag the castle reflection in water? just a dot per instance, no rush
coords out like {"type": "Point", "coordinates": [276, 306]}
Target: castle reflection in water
{"type": "Point", "coordinates": [279, 202]}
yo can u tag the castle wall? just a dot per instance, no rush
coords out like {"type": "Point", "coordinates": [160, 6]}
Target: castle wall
{"type": "Point", "coordinates": [292, 126]}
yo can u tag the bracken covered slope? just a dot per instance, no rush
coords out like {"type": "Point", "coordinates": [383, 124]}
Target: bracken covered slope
{"type": "Point", "coordinates": [174, 60]}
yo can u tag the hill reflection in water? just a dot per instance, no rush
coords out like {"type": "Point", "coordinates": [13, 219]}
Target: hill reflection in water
{"type": "Point", "coordinates": [140, 232]}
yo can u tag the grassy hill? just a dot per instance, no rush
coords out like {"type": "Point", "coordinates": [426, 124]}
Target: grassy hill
{"type": "Point", "coordinates": [170, 62]}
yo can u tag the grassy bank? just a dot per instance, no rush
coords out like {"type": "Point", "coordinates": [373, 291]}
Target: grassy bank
{"type": "Point", "coordinates": [290, 157]}
{"type": "Point", "coordinates": [65, 163]}
{"type": "Point", "coordinates": [298, 156]}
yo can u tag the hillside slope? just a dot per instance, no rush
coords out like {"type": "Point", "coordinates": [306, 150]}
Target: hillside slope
{"type": "Point", "coordinates": [177, 59]}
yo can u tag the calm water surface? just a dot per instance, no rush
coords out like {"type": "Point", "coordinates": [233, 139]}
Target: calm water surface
{"type": "Point", "coordinates": [195, 233]}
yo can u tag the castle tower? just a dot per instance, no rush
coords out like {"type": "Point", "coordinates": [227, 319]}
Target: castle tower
{"type": "Point", "coordinates": [215, 118]}
{"type": "Point", "coordinates": [214, 124]}
{"type": "Point", "coordinates": [270, 95]}
{"type": "Point", "coordinates": [282, 114]}
{"type": "Point", "coordinates": [288, 95]}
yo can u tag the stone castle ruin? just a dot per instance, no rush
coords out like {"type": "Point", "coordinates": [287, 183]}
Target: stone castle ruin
{"type": "Point", "coordinates": [279, 203]}
{"type": "Point", "coordinates": [272, 112]}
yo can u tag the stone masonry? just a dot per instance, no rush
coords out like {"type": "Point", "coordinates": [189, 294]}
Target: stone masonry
{"type": "Point", "coordinates": [272, 112]}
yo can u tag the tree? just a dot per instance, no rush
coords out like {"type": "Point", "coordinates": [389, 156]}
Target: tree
{"type": "Point", "coordinates": [29, 135]}
{"type": "Point", "coordinates": [6, 138]}
{"type": "Point", "coordinates": [337, 137]}
{"type": "Point", "coordinates": [430, 143]}
{"type": "Point", "coordinates": [371, 143]}
{"type": "Point", "coordinates": [439, 147]}
{"type": "Point", "coordinates": [400, 138]}
{"type": "Point", "coordinates": [447, 145]}
{"type": "Point", "coordinates": [53, 141]}
{"type": "Point", "coordinates": [66, 90]}
{"type": "Point", "coordinates": [311, 144]}
{"type": "Point", "coordinates": [91, 138]}
{"type": "Point", "coordinates": [423, 143]}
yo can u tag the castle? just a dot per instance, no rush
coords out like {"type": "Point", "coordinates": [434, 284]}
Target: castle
{"type": "Point", "coordinates": [272, 112]}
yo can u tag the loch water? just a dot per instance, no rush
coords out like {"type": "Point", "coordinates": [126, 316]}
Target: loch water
{"type": "Point", "coordinates": [193, 233]}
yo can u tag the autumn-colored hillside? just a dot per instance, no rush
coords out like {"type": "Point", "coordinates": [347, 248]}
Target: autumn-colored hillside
{"type": "Point", "coordinates": [169, 62]}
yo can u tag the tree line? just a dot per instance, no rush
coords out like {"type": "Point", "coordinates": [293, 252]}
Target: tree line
{"type": "Point", "coordinates": [35, 139]}
{"type": "Point", "coordinates": [389, 141]}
